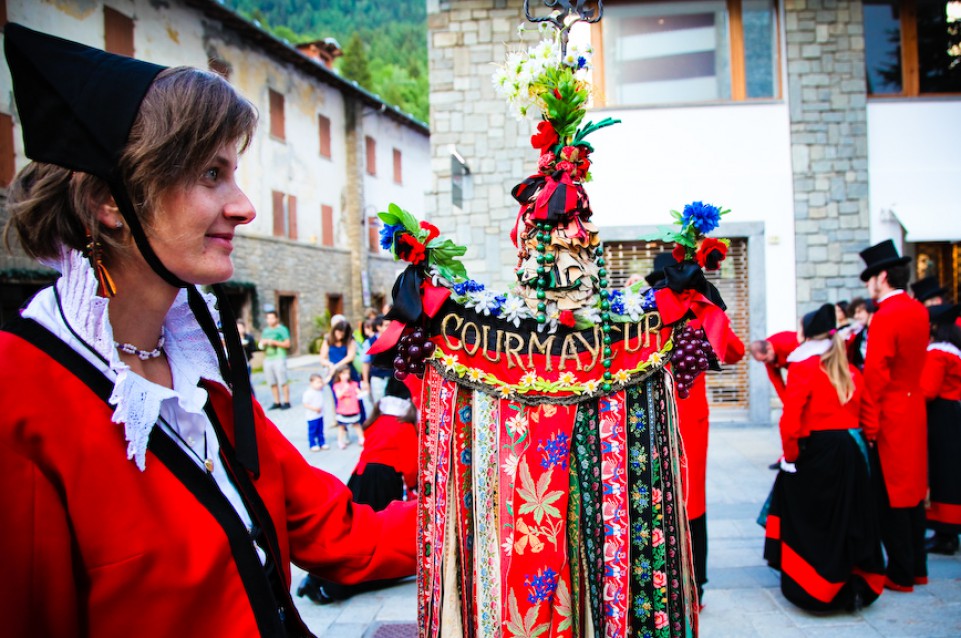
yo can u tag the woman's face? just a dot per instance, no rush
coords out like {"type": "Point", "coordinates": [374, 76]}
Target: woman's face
{"type": "Point", "coordinates": [192, 232]}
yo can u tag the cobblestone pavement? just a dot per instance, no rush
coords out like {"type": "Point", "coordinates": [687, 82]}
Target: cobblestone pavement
{"type": "Point", "coordinates": [742, 599]}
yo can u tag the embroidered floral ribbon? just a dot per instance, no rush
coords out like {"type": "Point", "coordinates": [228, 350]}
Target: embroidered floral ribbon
{"type": "Point", "coordinates": [614, 509]}
{"type": "Point", "coordinates": [643, 538]}
{"type": "Point", "coordinates": [537, 578]}
{"type": "Point", "coordinates": [586, 454]}
{"type": "Point", "coordinates": [463, 483]}
{"type": "Point", "coordinates": [436, 430]}
{"type": "Point", "coordinates": [486, 534]}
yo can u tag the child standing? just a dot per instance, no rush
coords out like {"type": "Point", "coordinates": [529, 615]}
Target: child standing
{"type": "Point", "coordinates": [314, 405]}
{"type": "Point", "coordinates": [347, 392]}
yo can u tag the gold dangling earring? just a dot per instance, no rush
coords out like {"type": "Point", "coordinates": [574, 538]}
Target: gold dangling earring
{"type": "Point", "coordinates": [94, 252]}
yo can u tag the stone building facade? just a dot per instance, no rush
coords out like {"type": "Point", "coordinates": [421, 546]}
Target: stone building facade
{"type": "Point", "coordinates": [828, 102]}
{"type": "Point", "coordinates": [326, 157]}
{"type": "Point", "coordinates": [776, 121]}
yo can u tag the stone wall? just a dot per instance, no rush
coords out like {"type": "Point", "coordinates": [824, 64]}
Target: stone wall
{"type": "Point", "coordinates": [467, 39]}
{"type": "Point", "coordinates": [828, 111]}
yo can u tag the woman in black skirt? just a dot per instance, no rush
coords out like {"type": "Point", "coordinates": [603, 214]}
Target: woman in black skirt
{"type": "Point", "coordinates": [941, 384]}
{"type": "Point", "coordinates": [822, 528]}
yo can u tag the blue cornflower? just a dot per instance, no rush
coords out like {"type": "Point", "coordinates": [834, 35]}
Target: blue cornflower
{"type": "Point", "coordinates": [387, 235]}
{"type": "Point", "coordinates": [617, 302]}
{"type": "Point", "coordinates": [704, 217]}
{"type": "Point", "coordinates": [649, 304]}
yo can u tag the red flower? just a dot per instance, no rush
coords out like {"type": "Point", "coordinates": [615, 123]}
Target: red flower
{"type": "Point", "coordinates": [545, 138]}
{"type": "Point", "coordinates": [409, 249]}
{"type": "Point", "coordinates": [679, 253]}
{"type": "Point", "coordinates": [432, 231]}
{"type": "Point", "coordinates": [711, 253]}
{"type": "Point", "coordinates": [566, 318]}
{"type": "Point", "coordinates": [545, 164]}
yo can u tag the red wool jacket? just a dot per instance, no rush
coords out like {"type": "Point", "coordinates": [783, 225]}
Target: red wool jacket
{"type": "Point", "coordinates": [783, 343]}
{"type": "Point", "coordinates": [693, 416]}
{"type": "Point", "coordinates": [391, 442]}
{"type": "Point", "coordinates": [812, 404]}
{"type": "Point", "coordinates": [95, 547]}
{"type": "Point", "coordinates": [897, 348]}
{"type": "Point", "coordinates": [941, 377]}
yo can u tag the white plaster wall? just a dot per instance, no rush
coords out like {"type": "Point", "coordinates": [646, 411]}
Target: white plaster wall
{"type": "Point", "coordinates": [736, 156]}
{"type": "Point", "coordinates": [381, 190]}
{"type": "Point", "coordinates": [915, 168]}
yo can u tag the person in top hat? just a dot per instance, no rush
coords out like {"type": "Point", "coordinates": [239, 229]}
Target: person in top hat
{"type": "Point", "coordinates": [892, 374]}
{"type": "Point", "coordinates": [826, 561]}
{"type": "Point", "coordinates": [941, 384]}
{"type": "Point", "coordinates": [166, 503]}
{"type": "Point", "coordinates": [929, 291]}
{"type": "Point", "coordinates": [693, 415]}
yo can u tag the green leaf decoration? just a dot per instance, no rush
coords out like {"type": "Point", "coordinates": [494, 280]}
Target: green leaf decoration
{"type": "Point", "coordinates": [666, 234]}
{"type": "Point", "coordinates": [406, 220]}
{"type": "Point", "coordinates": [589, 128]}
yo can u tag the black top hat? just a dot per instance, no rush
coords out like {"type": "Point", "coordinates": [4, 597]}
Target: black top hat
{"type": "Point", "coordinates": [943, 313]}
{"type": "Point", "coordinates": [928, 287]}
{"type": "Point", "coordinates": [76, 104]}
{"type": "Point", "coordinates": [820, 321]}
{"type": "Point", "coordinates": [880, 257]}
{"type": "Point", "coordinates": [661, 261]}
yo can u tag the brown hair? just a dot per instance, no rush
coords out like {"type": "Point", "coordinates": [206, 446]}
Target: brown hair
{"type": "Point", "coordinates": [187, 115]}
{"type": "Point", "coordinates": [343, 326]}
{"type": "Point", "coordinates": [834, 362]}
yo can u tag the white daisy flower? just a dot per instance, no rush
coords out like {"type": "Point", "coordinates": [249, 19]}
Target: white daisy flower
{"type": "Point", "coordinates": [517, 425]}
{"type": "Point", "coordinates": [633, 305]}
{"type": "Point", "coordinates": [656, 358]}
{"type": "Point", "coordinates": [528, 379]}
{"type": "Point", "coordinates": [474, 374]}
{"type": "Point", "coordinates": [450, 361]}
{"type": "Point", "coordinates": [566, 378]}
{"type": "Point", "coordinates": [483, 301]}
{"type": "Point", "coordinates": [514, 310]}
{"type": "Point", "coordinates": [510, 465]}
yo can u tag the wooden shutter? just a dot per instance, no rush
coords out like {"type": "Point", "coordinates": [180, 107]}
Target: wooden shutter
{"type": "Point", "coordinates": [728, 388]}
{"type": "Point", "coordinates": [118, 32]}
{"type": "Point", "coordinates": [278, 202]}
{"type": "Point", "coordinates": [326, 225]}
{"type": "Point", "coordinates": [373, 233]}
{"type": "Point", "coordinates": [371, 155]}
{"type": "Point", "coordinates": [292, 217]}
{"type": "Point", "coordinates": [277, 115]}
{"type": "Point", "coordinates": [7, 154]}
{"type": "Point", "coordinates": [398, 169]}
{"type": "Point", "coordinates": [323, 127]}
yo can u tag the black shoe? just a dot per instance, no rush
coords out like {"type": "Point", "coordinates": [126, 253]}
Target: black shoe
{"type": "Point", "coordinates": [308, 587]}
{"type": "Point", "coordinates": [942, 544]}
{"type": "Point", "coordinates": [284, 406]}
{"type": "Point", "coordinates": [776, 465]}
{"type": "Point", "coordinates": [274, 406]}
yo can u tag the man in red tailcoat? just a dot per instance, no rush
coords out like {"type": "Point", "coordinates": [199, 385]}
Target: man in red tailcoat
{"type": "Point", "coordinates": [892, 374]}
{"type": "Point", "coordinates": [773, 353]}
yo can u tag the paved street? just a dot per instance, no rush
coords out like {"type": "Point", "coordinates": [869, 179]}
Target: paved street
{"type": "Point", "coordinates": [742, 600]}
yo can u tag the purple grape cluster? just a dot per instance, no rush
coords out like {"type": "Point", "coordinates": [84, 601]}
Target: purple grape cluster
{"type": "Point", "coordinates": [692, 356]}
{"type": "Point", "coordinates": [413, 351]}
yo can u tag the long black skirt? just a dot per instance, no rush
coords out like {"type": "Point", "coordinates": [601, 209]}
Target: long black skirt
{"type": "Point", "coordinates": [378, 487]}
{"type": "Point", "coordinates": [944, 466]}
{"type": "Point", "coordinates": [822, 527]}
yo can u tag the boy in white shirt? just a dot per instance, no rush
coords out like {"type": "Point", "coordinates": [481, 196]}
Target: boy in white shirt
{"type": "Point", "coordinates": [314, 404]}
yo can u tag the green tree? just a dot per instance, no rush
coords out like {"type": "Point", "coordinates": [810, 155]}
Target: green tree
{"type": "Point", "coordinates": [353, 64]}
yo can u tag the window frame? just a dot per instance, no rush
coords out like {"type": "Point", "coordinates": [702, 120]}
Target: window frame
{"type": "Point", "coordinates": [398, 166]}
{"type": "Point", "coordinates": [324, 134]}
{"type": "Point", "coordinates": [118, 33]}
{"type": "Point", "coordinates": [737, 59]}
{"type": "Point", "coordinates": [910, 56]}
{"type": "Point", "coordinates": [277, 105]}
{"type": "Point", "coordinates": [370, 155]}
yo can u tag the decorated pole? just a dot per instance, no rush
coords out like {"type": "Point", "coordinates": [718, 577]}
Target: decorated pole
{"type": "Point", "coordinates": [551, 468]}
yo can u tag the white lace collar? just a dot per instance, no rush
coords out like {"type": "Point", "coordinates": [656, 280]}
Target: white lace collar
{"type": "Point", "coordinates": [944, 346]}
{"type": "Point", "coordinates": [808, 349]}
{"type": "Point", "coordinates": [137, 400]}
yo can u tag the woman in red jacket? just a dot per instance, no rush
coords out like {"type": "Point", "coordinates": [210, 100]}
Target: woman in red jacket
{"type": "Point", "coordinates": [142, 489]}
{"type": "Point", "coordinates": [941, 384]}
{"type": "Point", "coordinates": [822, 528]}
